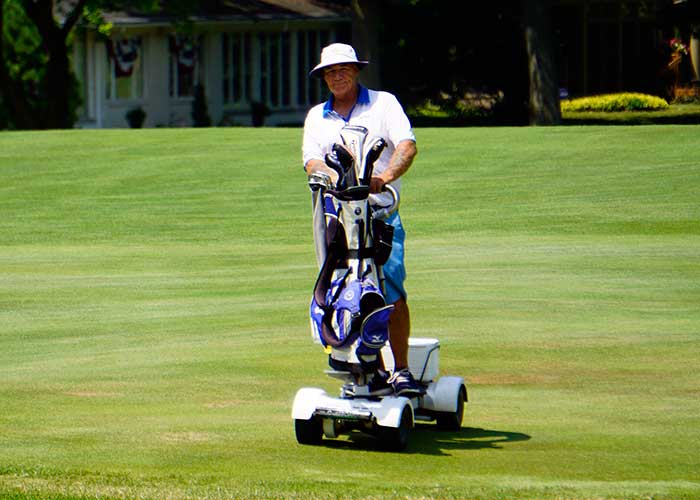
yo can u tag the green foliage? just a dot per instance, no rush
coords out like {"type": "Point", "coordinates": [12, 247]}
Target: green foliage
{"type": "Point", "coordinates": [93, 16]}
{"type": "Point", "coordinates": [428, 109]}
{"type": "Point", "coordinates": [27, 60]}
{"type": "Point", "coordinates": [468, 107]}
{"type": "Point", "coordinates": [24, 58]}
{"type": "Point", "coordinates": [675, 114]}
{"type": "Point", "coordinates": [49, 98]}
{"type": "Point", "coordinates": [630, 101]}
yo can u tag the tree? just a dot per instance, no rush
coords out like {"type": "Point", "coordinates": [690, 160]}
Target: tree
{"type": "Point", "coordinates": [21, 65]}
{"type": "Point", "coordinates": [366, 16]}
{"type": "Point", "coordinates": [48, 99]}
{"type": "Point", "coordinates": [488, 47]}
{"type": "Point", "coordinates": [37, 87]}
{"type": "Point", "coordinates": [479, 50]}
{"type": "Point", "coordinates": [544, 88]}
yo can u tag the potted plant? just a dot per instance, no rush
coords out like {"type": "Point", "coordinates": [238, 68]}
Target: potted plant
{"type": "Point", "coordinates": [135, 117]}
{"type": "Point", "coordinates": [259, 111]}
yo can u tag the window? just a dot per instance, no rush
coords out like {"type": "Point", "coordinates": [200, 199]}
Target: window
{"type": "Point", "coordinates": [124, 69]}
{"type": "Point", "coordinates": [308, 47]}
{"type": "Point", "coordinates": [237, 67]}
{"type": "Point", "coordinates": [185, 65]}
{"type": "Point", "coordinates": [272, 68]}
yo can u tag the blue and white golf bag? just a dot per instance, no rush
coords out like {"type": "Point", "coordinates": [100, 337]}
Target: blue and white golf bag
{"type": "Point", "coordinates": [349, 315]}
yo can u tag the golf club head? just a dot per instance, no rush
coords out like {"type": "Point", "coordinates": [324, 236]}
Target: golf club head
{"type": "Point", "coordinates": [319, 181]}
{"type": "Point", "coordinates": [346, 159]}
{"type": "Point", "coordinates": [353, 137]}
{"type": "Point", "coordinates": [375, 150]}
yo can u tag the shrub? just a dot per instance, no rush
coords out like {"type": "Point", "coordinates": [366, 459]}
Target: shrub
{"type": "Point", "coordinates": [200, 111]}
{"type": "Point", "coordinates": [135, 117]}
{"type": "Point", "coordinates": [458, 108]}
{"type": "Point", "coordinates": [615, 102]}
{"type": "Point", "coordinates": [259, 111]}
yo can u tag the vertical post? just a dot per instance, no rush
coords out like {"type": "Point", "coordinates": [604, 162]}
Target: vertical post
{"type": "Point", "coordinates": [294, 68]}
{"type": "Point", "coordinates": [695, 53]}
{"type": "Point", "coordinates": [268, 73]}
{"type": "Point", "coordinates": [99, 57]}
{"type": "Point", "coordinates": [620, 53]}
{"type": "Point", "coordinates": [584, 44]}
{"type": "Point", "coordinates": [213, 74]}
{"type": "Point", "coordinates": [280, 80]}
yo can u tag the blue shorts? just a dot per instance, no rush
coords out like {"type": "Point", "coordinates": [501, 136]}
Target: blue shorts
{"type": "Point", "coordinates": [394, 268]}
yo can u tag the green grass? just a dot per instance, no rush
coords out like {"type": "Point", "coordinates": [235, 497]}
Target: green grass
{"type": "Point", "coordinates": [154, 330]}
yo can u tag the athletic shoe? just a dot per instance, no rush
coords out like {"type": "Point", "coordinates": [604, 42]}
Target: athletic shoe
{"type": "Point", "coordinates": [379, 385]}
{"type": "Point", "coordinates": [405, 385]}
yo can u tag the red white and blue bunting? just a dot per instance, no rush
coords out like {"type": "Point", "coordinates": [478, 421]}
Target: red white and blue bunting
{"type": "Point", "coordinates": [184, 48]}
{"type": "Point", "coordinates": [125, 54]}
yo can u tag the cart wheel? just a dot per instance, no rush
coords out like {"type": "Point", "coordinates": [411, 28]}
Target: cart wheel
{"type": "Point", "coordinates": [449, 421]}
{"type": "Point", "coordinates": [396, 438]}
{"type": "Point", "coordinates": [308, 431]}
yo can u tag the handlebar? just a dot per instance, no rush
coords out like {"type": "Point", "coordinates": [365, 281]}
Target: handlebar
{"type": "Point", "coordinates": [385, 212]}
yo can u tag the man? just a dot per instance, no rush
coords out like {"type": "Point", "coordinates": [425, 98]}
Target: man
{"type": "Point", "coordinates": [382, 114]}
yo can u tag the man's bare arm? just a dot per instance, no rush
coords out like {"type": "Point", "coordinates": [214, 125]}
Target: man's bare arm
{"type": "Point", "coordinates": [399, 164]}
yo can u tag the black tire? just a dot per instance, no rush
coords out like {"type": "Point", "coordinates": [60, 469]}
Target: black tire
{"type": "Point", "coordinates": [396, 439]}
{"type": "Point", "coordinates": [308, 431]}
{"type": "Point", "coordinates": [452, 421]}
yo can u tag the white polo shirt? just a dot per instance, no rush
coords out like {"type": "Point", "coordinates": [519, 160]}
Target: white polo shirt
{"type": "Point", "coordinates": [380, 112]}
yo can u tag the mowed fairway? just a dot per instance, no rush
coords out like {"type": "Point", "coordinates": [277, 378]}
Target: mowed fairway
{"type": "Point", "coordinates": [154, 290]}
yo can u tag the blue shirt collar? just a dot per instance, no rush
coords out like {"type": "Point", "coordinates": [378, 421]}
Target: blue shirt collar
{"type": "Point", "coordinates": [362, 98]}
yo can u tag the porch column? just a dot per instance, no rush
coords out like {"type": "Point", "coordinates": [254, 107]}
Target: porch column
{"type": "Point", "coordinates": [156, 72]}
{"type": "Point", "coordinates": [294, 98]}
{"type": "Point", "coordinates": [214, 75]}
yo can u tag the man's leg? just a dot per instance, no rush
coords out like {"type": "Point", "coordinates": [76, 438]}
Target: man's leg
{"type": "Point", "coordinates": [399, 331]}
{"type": "Point", "coordinates": [399, 321]}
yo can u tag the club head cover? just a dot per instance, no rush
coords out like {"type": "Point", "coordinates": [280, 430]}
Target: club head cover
{"type": "Point", "coordinates": [347, 161]}
{"type": "Point", "coordinates": [332, 162]}
{"type": "Point", "coordinates": [375, 151]}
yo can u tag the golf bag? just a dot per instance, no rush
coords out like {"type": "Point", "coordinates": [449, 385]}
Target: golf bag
{"type": "Point", "coordinates": [349, 315]}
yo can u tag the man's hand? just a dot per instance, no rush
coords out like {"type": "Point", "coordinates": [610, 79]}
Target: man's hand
{"type": "Point", "coordinates": [314, 166]}
{"type": "Point", "coordinates": [376, 184]}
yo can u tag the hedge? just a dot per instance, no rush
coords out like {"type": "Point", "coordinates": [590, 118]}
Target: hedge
{"type": "Point", "coordinates": [630, 101]}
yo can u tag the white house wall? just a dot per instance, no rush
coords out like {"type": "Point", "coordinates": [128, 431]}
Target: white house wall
{"type": "Point", "coordinates": [91, 63]}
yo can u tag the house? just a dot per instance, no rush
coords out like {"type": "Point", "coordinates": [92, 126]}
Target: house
{"type": "Point", "coordinates": [251, 58]}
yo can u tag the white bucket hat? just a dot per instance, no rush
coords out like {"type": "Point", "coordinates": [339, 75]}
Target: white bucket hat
{"type": "Point", "coordinates": [337, 53]}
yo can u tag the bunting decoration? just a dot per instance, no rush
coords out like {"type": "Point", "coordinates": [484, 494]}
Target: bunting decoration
{"type": "Point", "coordinates": [125, 54]}
{"type": "Point", "coordinates": [184, 48]}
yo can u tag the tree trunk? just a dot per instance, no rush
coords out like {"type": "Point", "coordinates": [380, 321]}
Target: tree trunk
{"type": "Point", "coordinates": [59, 82]}
{"type": "Point", "coordinates": [54, 108]}
{"type": "Point", "coordinates": [366, 17]}
{"type": "Point", "coordinates": [544, 88]}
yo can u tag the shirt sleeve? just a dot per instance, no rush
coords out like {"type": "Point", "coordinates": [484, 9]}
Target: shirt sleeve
{"type": "Point", "coordinates": [311, 148]}
{"type": "Point", "coordinates": [397, 123]}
